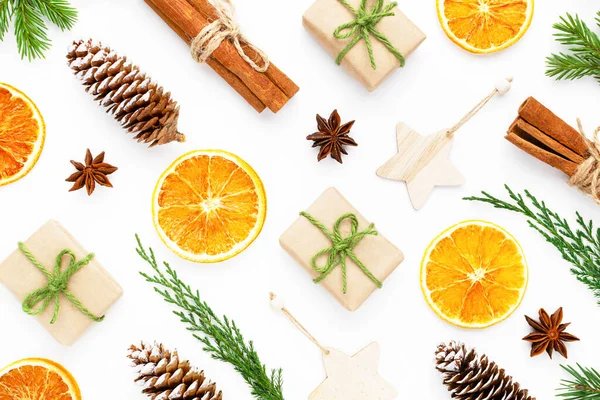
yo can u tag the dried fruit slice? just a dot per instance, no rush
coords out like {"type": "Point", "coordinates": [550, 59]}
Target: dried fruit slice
{"type": "Point", "coordinates": [474, 274]}
{"type": "Point", "coordinates": [37, 378]}
{"type": "Point", "coordinates": [22, 134]}
{"type": "Point", "coordinates": [485, 26]}
{"type": "Point", "coordinates": [209, 205]}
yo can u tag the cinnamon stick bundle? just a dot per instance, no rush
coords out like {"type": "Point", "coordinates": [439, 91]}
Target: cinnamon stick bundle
{"type": "Point", "coordinates": [271, 89]}
{"type": "Point", "coordinates": [539, 132]}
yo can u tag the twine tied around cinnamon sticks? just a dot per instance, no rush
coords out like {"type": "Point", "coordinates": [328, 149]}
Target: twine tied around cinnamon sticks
{"type": "Point", "coordinates": [225, 28]}
{"type": "Point", "coordinates": [587, 175]}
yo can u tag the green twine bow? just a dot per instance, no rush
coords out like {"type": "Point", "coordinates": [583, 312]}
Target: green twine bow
{"type": "Point", "coordinates": [363, 27]}
{"type": "Point", "coordinates": [342, 248]}
{"type": "Point", "coordinates": [57, 284]}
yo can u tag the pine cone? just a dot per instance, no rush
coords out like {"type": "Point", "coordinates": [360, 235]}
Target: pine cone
{"type": "Point", "coordinates": [473, 377]}
{"type": "Point", "coordinates": [140, 105]}
{"type": "Point", "coordinates": [165, 377]}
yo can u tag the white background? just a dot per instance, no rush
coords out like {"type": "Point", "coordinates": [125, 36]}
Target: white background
{"type": "Point", "coordinates": [439, 84]}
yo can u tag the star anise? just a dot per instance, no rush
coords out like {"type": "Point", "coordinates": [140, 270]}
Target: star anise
{"type": "Point", "coordinates": [94, 171]}
{"type": "Point", "coordinates": [549, 334]}
{"type": "Point", "coordinates": [332, 137]}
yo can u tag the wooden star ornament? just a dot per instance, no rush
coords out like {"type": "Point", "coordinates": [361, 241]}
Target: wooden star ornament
{"type": "Point", "coordinates": [423, 161]}
{"type": "Point", "coordinates": [353, 378]}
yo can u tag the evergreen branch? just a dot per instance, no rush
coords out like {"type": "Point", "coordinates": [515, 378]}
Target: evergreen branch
{"type": "Point", "coordinates": [30, 31]}
{"type": "Point", "coordinates": [221, 337]}
{"type": "Point", "coordinates": [570, 67]}
{"type": "Point", "coordinates": [583, 43]}
{"type": "Point", "coordinates": [584, 384]}
{"type": "Point", "coordinates": [59, 12]}
{"type": "Point", "coordinates": [5, 15]}
{"type": "Point", "coordinates": [30, 28]}
{"type": "Point", "coordinates": [580, 247]}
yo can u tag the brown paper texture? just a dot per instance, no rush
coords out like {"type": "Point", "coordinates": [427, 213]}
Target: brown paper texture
{"type": "Point", "coordinates": [92, 285]}
{"type": "Point", "coordinates": [303, 240]}
{"type": "Point", "coordinates": [324, 16]}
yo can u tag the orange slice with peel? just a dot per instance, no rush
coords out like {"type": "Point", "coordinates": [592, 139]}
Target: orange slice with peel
{"type": "Point", "coordinates": [37, 378]}
{"type": "Point", "coordinates": [22, 134]}
{"type": "Point", "coordinates": [209, 206]}
{"type": "Point", "coordinates": [485, 26]}
{"type": "Point", "coordinates": [474, 274]}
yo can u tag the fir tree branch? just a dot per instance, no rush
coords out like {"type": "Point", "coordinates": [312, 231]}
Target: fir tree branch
{"type": "Point", "coordinates": [59, 12]}
{"type": "Point", "coordinates": [30, 29]}
{"type": "Point", "coordinates": [583, 43]}
{"type": "Point", "coordinates": [580, 247]}
{"type": "Point", "coordinates": [584, 384]}
{"type": "Point", "coordinates": [221, 337]}
{"type": "Point", "coordinates": [5, 15]}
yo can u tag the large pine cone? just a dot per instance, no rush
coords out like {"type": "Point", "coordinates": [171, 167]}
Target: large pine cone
{"type": "Point", "coordinates": [165, 377]}
{"type": "Point", "coordinates": [473, 377]}
{"type": "Point", "coordinates": [140, 105]}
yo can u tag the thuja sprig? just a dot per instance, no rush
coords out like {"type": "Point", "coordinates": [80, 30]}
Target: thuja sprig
{"type": "Point", "coordinates": [584, 384]}
{"type": "Point", "coordinates": [30, 29]}
{"type": "Point", "coordinates": [221, 337]}
{"type": "Point", "coordinates": [580, 247]}
{"type": "Point", "coordinates": [584, 45]}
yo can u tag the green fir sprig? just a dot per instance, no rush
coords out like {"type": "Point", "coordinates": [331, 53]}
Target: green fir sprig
{"type": "Point", "coordinates": [580, 247]}
{"type": "Point", "coordinates": [221, 337]}
{"type": "Point", "coordinates": [31, 31]}
{"type": "Point", "coordinates": [584, 45]}
{"type": "Point", "coordinates": [583, 385]}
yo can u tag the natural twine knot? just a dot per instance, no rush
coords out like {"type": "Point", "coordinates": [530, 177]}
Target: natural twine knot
{"type": "Point", "coordinates": [57, 284]}
{"type": "Point", "coordinates": [211, 37]}
{"type": "Point", "coordinates": [363, 27]}
{"type": "Point", "coordinates": [587, 175]}
{"type": "Point", "coordinates": [341, 248]}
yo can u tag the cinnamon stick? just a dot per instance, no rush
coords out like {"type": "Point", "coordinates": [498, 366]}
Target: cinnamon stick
{"type": "Point", "coordinates": [531, 140]}
{"type": "Point", "coordinates": [207, 10]}
{"type": "Point", "coordinates": [546, 121]}
{"type": "Point", "coordinates": [233, 81]}
{"type": "Point", "coordinates": [191, 22]}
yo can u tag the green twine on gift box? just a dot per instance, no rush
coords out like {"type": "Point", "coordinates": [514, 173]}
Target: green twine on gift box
{"type": "Point", "coordinates": [363, 27]}
{"type": "Point", "coordinates": [57, 284]}
{"type": "Point", "coordinates": [342, 248]}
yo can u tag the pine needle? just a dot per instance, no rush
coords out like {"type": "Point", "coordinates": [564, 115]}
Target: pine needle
{"type": "Point", "coordinates": [580, 247]}
{"type": "Point", "coordinates": [584, 46]}
{"type": "Point", "coordinates": [59, 12]}
{"type": "Point", "coordinates": [221, 337]}
{"type": "Point", "coordinates": [584, 384]}
{"type": "Point", "coordinates": [31, 31]}
{"type": "Point", "coordinates": [5, 13]}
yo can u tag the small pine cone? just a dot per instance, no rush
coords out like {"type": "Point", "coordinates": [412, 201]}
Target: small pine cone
{"type": "Point", "coordinates": [165, 377]}
{"type": "Point", "coordinates": [140, 105]}
{"type": "Point", "coordinates": [473, 377]}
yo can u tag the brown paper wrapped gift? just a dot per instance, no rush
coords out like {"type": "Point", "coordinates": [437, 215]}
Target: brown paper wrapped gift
{"type": "Point", "coordinates": [325, 16]}
{"type": "Point", "coordinates": [91, 285]}
{"type": "Point", "coordinates": [303, 240]}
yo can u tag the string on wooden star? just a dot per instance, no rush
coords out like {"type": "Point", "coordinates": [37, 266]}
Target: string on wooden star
{"type": "Point", "coordinates": [278, 305]}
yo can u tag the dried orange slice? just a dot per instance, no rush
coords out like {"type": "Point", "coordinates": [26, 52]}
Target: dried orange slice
{"type": "Point", "coordinates": [22, 134]}
{"type": "Point", "coordinates": [37, 378]}
{"type": "Point", "coordinates": [485, 26]}
{"type": "Point", "coordinates": [474, 274]}
{"type": "Point", "coordinates": [209, 205]}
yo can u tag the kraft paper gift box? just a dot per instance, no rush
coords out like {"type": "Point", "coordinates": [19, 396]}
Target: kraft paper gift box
{"type": "Point", "coordinates": [325, 16]}
{"type": "Point", "coordinates": [91, 285]}
{"type": "Point", "coordinates": [303, 240]}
